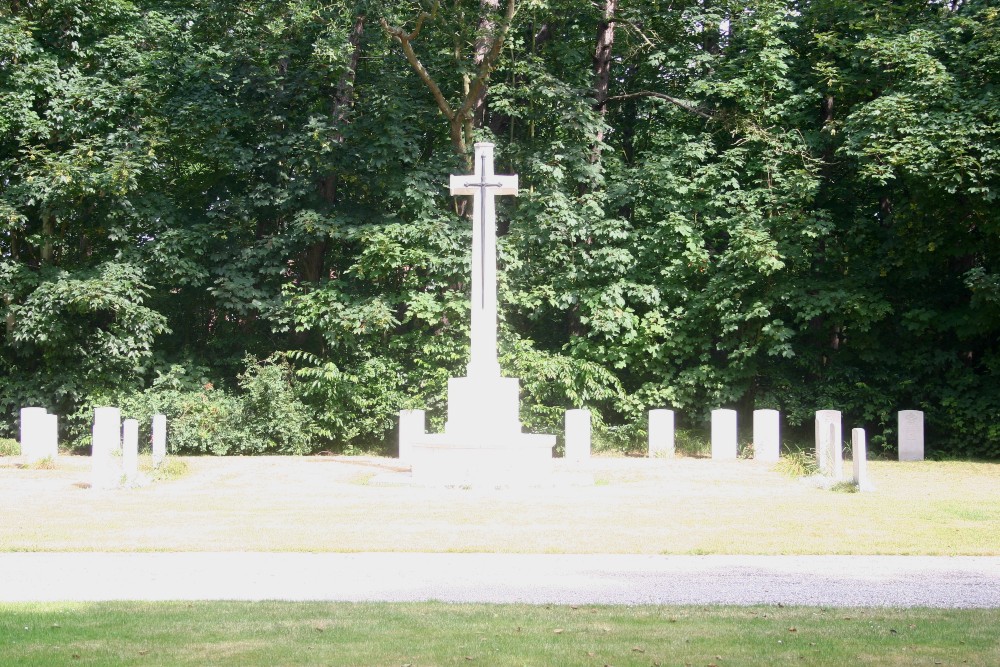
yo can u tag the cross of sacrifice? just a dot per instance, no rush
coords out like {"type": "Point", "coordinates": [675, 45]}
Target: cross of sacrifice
{"type": "Point", "coordinates": [484, 185]}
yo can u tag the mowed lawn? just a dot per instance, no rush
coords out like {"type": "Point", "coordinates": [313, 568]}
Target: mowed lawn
{"type": "Point", "coordinates": [281, 633]}
{"type": "Point", "coordinates": [641, 506]}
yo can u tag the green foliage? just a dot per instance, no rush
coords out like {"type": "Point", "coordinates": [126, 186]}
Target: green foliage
{"type": "Point", "coordinates": [689, 442]}
{"type": "Point", "coordinates": [9, 447]}
{"type": "Point", "coordinates": [845, 487]}
{"type": "Point", "coordinates": [797, 463]}
{"type": "Point", "coordinates": [169, 469]}
{"type": "Point", "coordinates": [773, 206]}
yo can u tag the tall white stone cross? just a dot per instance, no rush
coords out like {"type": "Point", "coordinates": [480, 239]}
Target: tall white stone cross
{"type": "Point", "coordinates": [484, 185]}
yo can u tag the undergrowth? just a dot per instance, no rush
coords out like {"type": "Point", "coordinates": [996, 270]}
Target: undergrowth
{"type": "Point", "coordinates": [797, 463]}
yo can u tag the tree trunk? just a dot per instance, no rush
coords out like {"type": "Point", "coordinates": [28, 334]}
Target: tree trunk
{"type": "Point", "coordinates": [47, 250]}
{"type": "Point", "coordinates": [313, 258]}
{"type": "Point", "coordinates": [602, 66]}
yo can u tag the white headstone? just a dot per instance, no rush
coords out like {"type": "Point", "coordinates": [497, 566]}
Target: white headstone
{"type": "Point", "coordinates": [911, 435]}
{"type": "Point", "coordinates": [829, 443]}
{"type": "Point", "coordinates": [412, 425]}
{"type": "Point", "coordinates": [859, 449]}
{"type": "Point", "coordinates": [106, 465]}
{"type": "Point", "coordinates": [577, 435]}
{"type": "Point", "coordinates": [159, 439]}
{"type": "Point", "coordinates": [50, 437]}
{"type": "Point", "coordinates": [33, 433]}
{"type": "Point", "coordinates": [724, 434]}
{"type": "Point", "coordinates": [130, 450]}
{"type": "Point", "coordinates": [766, 435]}
{"type": "Point", "coordinates": [661, 433]}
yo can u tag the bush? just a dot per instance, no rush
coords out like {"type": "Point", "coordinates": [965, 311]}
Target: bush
{"type": "Point", "coordinates": [9, 447]}
{"type": "Point", "coordinates": [266, 417]}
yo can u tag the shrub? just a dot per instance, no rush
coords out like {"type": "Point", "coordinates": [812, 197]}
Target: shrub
{"type": "Point", "coordinates": [797, 463]}
{"type": "Point", "coordinates": [9, 447]}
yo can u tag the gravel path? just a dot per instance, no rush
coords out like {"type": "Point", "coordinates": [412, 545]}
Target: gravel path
{"type": "Point", "coordinates": [841, 581]}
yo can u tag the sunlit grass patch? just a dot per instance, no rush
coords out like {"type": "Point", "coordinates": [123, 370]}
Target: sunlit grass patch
{"type": "Point", "coordinates": [271, 633]}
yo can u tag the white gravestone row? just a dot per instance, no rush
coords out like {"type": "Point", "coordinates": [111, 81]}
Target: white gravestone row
{"type": "Point", "coordinates": [39, 434]}
{"type": "Point", "coordinates": [766, 434]}
{"type": "Point", "coordinates": [115, 448]}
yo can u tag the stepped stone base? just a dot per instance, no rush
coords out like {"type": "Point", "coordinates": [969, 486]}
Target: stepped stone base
{"type": "Point", "coordinates": [515, 459]}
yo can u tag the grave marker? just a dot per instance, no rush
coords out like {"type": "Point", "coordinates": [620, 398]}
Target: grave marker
{"type": "Point", "coordinates": [724, 435]}
{"type": "Point", "coordinates": [159, 439]}
{"type": "Point", "coordinates": [661, 433]}
{"type": "Point", "coordinates": [412, 425]}
{"type": "Point", "coordinates": [766, 435]}
{"type": "Point", "coordinates": [33, 433]}
{"type": "Point", "coordinates": [829, 443]}
{"type": "Point", "coordinates": [105, 463]}
{"type": "Point", "coordinates": [578, 435]}
{"type": "Point", "coordinates": [859, 454]}
{"type": "Point", "coordinates": [130, 450]}
{"type": "Point", "coordinates": [911, 435]}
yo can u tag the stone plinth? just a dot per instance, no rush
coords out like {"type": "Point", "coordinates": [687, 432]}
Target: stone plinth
{"type": "Point", "coordinates": [483, 405]}
{"type": "Point", "coordinates": [578, 435]}
{"type": "Point", "coordinates": [829, 443]}
{"type": "Point", "coordinates": [724, 436]}
{"type": "Point", "coordinates": [482, 443]}
{"type": "Point", "coordinates": [661, 433]}
{"type": "Point", "coordinates": [159, 439]}
{"type": "Point", "coordinates": [911, 435]}
{"type": "Point", "coordinates": [766, 435]}
{"type": "Point", "coordinates": [521, 459]}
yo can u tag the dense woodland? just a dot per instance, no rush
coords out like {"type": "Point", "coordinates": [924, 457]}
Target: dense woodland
{"type": "Point", "coordinates": [237, 213]}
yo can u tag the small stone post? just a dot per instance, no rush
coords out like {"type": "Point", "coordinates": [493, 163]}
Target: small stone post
{"type": "Point", "coordinates": [859, 449]}
{"type": "Point", "coordinates": [829, 443]}
{"type": "Point", "coordinates": [159, 439]}
{"type": "Point", "coordinates": [577, 435]}
{"type": "Point", "coordinates": [130, 450]}
{"type": "Point", "coordinates": [911, 435]}
{"type": "Point", "coordinates": [661, 433]}
{"type": "Point", "coordinates": [724, 445]}
{"type": "Point", "coordinates": [106, 468]}
{"type": "Point", "coordinates": [766, 435]}
{"type": "Point", "coordinates": [412, 425]}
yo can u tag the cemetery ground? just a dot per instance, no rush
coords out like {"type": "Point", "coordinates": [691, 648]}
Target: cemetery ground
{"type": "Point", "coordinates": [638, 506]}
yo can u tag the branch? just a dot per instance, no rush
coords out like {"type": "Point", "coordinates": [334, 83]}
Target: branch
{"type": "Point", "coordinates": [404, 39]}
{"type": "Point", "coordinates": [488, 60]}
{"type": "Point", "coordinates": [683, 104]}
{"type": "Point", "coordinates": [638, 30]}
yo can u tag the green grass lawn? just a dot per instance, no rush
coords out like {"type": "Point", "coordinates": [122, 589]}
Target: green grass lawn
{"type": "Point", "coordinates": [276, 633]}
